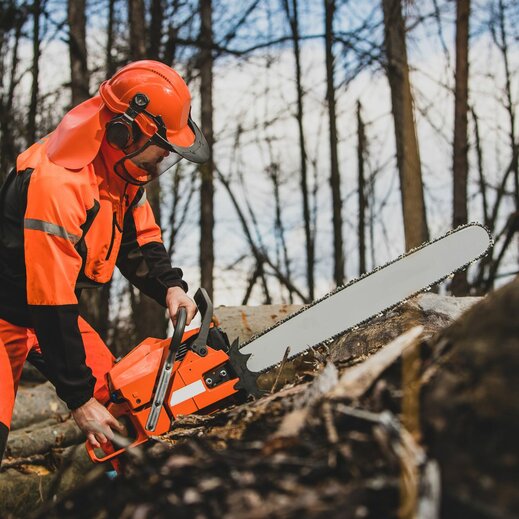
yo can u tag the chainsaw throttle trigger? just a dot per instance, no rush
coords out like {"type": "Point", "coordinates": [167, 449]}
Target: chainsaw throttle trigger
{"type": "Point", "coordinates": [166, 371]}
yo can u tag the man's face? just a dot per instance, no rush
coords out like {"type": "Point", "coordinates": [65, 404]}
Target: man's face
{"type": "Point", "coordinates": [149, 158]}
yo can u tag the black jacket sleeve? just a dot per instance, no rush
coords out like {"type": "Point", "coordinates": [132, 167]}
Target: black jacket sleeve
{"type": "Point", "coordinates": [148, 267]}
{"type": "Point", "coordinates": [64, 354]}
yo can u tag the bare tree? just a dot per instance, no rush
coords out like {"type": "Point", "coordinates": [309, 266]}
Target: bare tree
{"type": "Point", "coordinates": [137, 26]}
{"type": "Point", "coordinates": [501, 39]}
{"type": "Point", "coordinates": [79, 76]}
{"type": "Point", "coordinates": [207, 169]}
{"type": "Point", "coordinates": [291, 11]}
{"type": "Point", "coordinates": [14, 18]}
{"type": "Point", "coordinates": [460, 166]}
{"type": "Point", "coordinates": [35, 71]}
{"type": "Point", "coordinates": [361, 151]}
{"type": "Point", "coordinates": [155, 30]}
{"type": "Point", "coordinates": [407, 152]}
{"type": "Point", "coordinates": [335, 177]}
{"type": "Point", "coordinates": [109, 60]}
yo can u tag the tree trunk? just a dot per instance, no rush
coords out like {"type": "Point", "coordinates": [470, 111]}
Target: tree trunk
{"type": "Point", "coordinates": [207, 169]}
{"type": "Point", "coordinates": [293, 19]}
{"type": "Point", "coordinates": [407, 153]}
{"type": "Point", "coordinates": [148, 316]}
{"type": "Point", "coordinates": [79, 76]}
{"type": "Point", "coordinates": [8, 148]}
{"type": "Point", "coordinates": [510, 105]}
{"type": "Point", "coordinates": [335, 178]}
{"type": "Point", "coordinates": [460, 164]}
{"type": "Point", "coordinates": [361, 150]}
{"type": "Point", "coordinates": [109, 64]}
{"type": "Point", "coordinates": [155, 32]}
{"type": "Point", "coordinates": [33, 107]}
{"type": "Point", "coordinates": [137, 26]}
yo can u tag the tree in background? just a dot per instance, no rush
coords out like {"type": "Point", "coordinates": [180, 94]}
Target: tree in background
{"type": "Point", "coordinates": [460, 166]}
{"type": "Point", "coordinates": [291, 11]}
{"type": "Point", "coordinates": [335, 177]}
{"type": "Point", "coordinates": [407, 152]}
{"type": "Point", "coordinates": [205, 61]}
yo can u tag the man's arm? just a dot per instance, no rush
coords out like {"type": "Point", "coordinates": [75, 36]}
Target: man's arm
{"type": "Point", "coordinates": [143, 260]}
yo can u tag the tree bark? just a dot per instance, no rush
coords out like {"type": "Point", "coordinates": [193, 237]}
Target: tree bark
{"type": "Point", "coordinates": [471, 408]}
{"type": "Point", "coordinates": [8, 148]}
{"type": "Point", "coordinates": [79, 75]}
{"type": "Point", "coordinates": [155, 32]}
{"type": "Point", "coordinates": [335, 177]}
{"type": "Point", "coordinates": [460, 165]}
{"type": "Point", "coordinates": [33, 107]}
{"type": "Point", "coordinates": [207, 169]}
{"type": "Point", "coordinates": [137, 26]}
{"type": "Point", "coordinates": [109, 63]}
{"type": "Point", "coordinates": [407, 152]}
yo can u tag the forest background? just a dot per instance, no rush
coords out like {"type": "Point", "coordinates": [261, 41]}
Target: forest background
{"type": "Point", "coordinates": [342, 133]}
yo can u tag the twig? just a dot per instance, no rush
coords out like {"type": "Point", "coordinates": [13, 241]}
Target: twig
{"type": "Point", "coordinates": [283, 362]}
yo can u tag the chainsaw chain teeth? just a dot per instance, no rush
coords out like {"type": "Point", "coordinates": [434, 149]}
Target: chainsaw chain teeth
{"type": "Point", "coordinates": [364, 276]}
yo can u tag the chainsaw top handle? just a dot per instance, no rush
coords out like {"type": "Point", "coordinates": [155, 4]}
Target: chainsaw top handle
{"type": "Point", "coordinates": [164, 374]}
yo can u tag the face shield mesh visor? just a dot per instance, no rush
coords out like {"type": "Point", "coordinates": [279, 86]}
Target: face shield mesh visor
{"type": "Point", "coordinates": [146, 164]}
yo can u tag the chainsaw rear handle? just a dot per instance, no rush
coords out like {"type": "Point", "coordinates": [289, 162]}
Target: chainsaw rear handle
{"type": "Point", "coordinates": [110, 451]}
{"type": "Point", "coordinates": [167, 369]}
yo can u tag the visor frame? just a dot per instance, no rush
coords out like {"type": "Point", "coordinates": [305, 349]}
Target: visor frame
{"type": "Point", "coordinates": [198, 152]}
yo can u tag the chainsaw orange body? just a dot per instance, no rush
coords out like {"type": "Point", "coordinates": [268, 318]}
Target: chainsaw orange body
{"type": "Point", "coordinates": [201, 380]}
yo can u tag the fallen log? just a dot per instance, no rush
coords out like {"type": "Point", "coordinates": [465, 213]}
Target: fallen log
{"type": "Point", "coordinates": [42, 437]}
{"type": "Point", "coordinates": [35, 404]}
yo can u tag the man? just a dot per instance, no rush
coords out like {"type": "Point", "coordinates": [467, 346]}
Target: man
{"type": "Point", "coordinates": [72, 209]}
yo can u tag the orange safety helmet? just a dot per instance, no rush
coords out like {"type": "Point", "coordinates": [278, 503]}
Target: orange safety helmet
{"type": "Point", "coordinates": [149, 99]}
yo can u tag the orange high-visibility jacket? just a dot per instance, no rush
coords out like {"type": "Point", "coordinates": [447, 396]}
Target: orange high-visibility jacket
{"type": "Point", "coordinates": [63, 230]}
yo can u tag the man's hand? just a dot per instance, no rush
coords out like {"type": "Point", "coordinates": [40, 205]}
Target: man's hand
{"type": "Point", "coordinates": [96, 422]}
{"type": "Point", "coordinates": [175, 298]}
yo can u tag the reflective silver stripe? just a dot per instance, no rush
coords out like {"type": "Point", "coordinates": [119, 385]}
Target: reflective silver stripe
{"type": "Point", "coordinates": [50, 228]}
{"type": "Point", "coordinates": [142, 200]}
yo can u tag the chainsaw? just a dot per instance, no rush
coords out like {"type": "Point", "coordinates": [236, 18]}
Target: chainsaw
{"type": "Point", "coordinates": [199, 371]}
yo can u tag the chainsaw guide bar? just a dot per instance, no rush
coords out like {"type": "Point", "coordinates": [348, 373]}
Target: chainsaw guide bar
{"type": "Point", "coordinates": [362, 299]}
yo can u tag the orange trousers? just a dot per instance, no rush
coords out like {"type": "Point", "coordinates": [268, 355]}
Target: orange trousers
{"type": "Point", "coordinates": [17, 342]}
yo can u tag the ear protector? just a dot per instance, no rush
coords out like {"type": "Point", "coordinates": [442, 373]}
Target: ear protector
{"type": "Point", "coordinates": [122, 131]}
